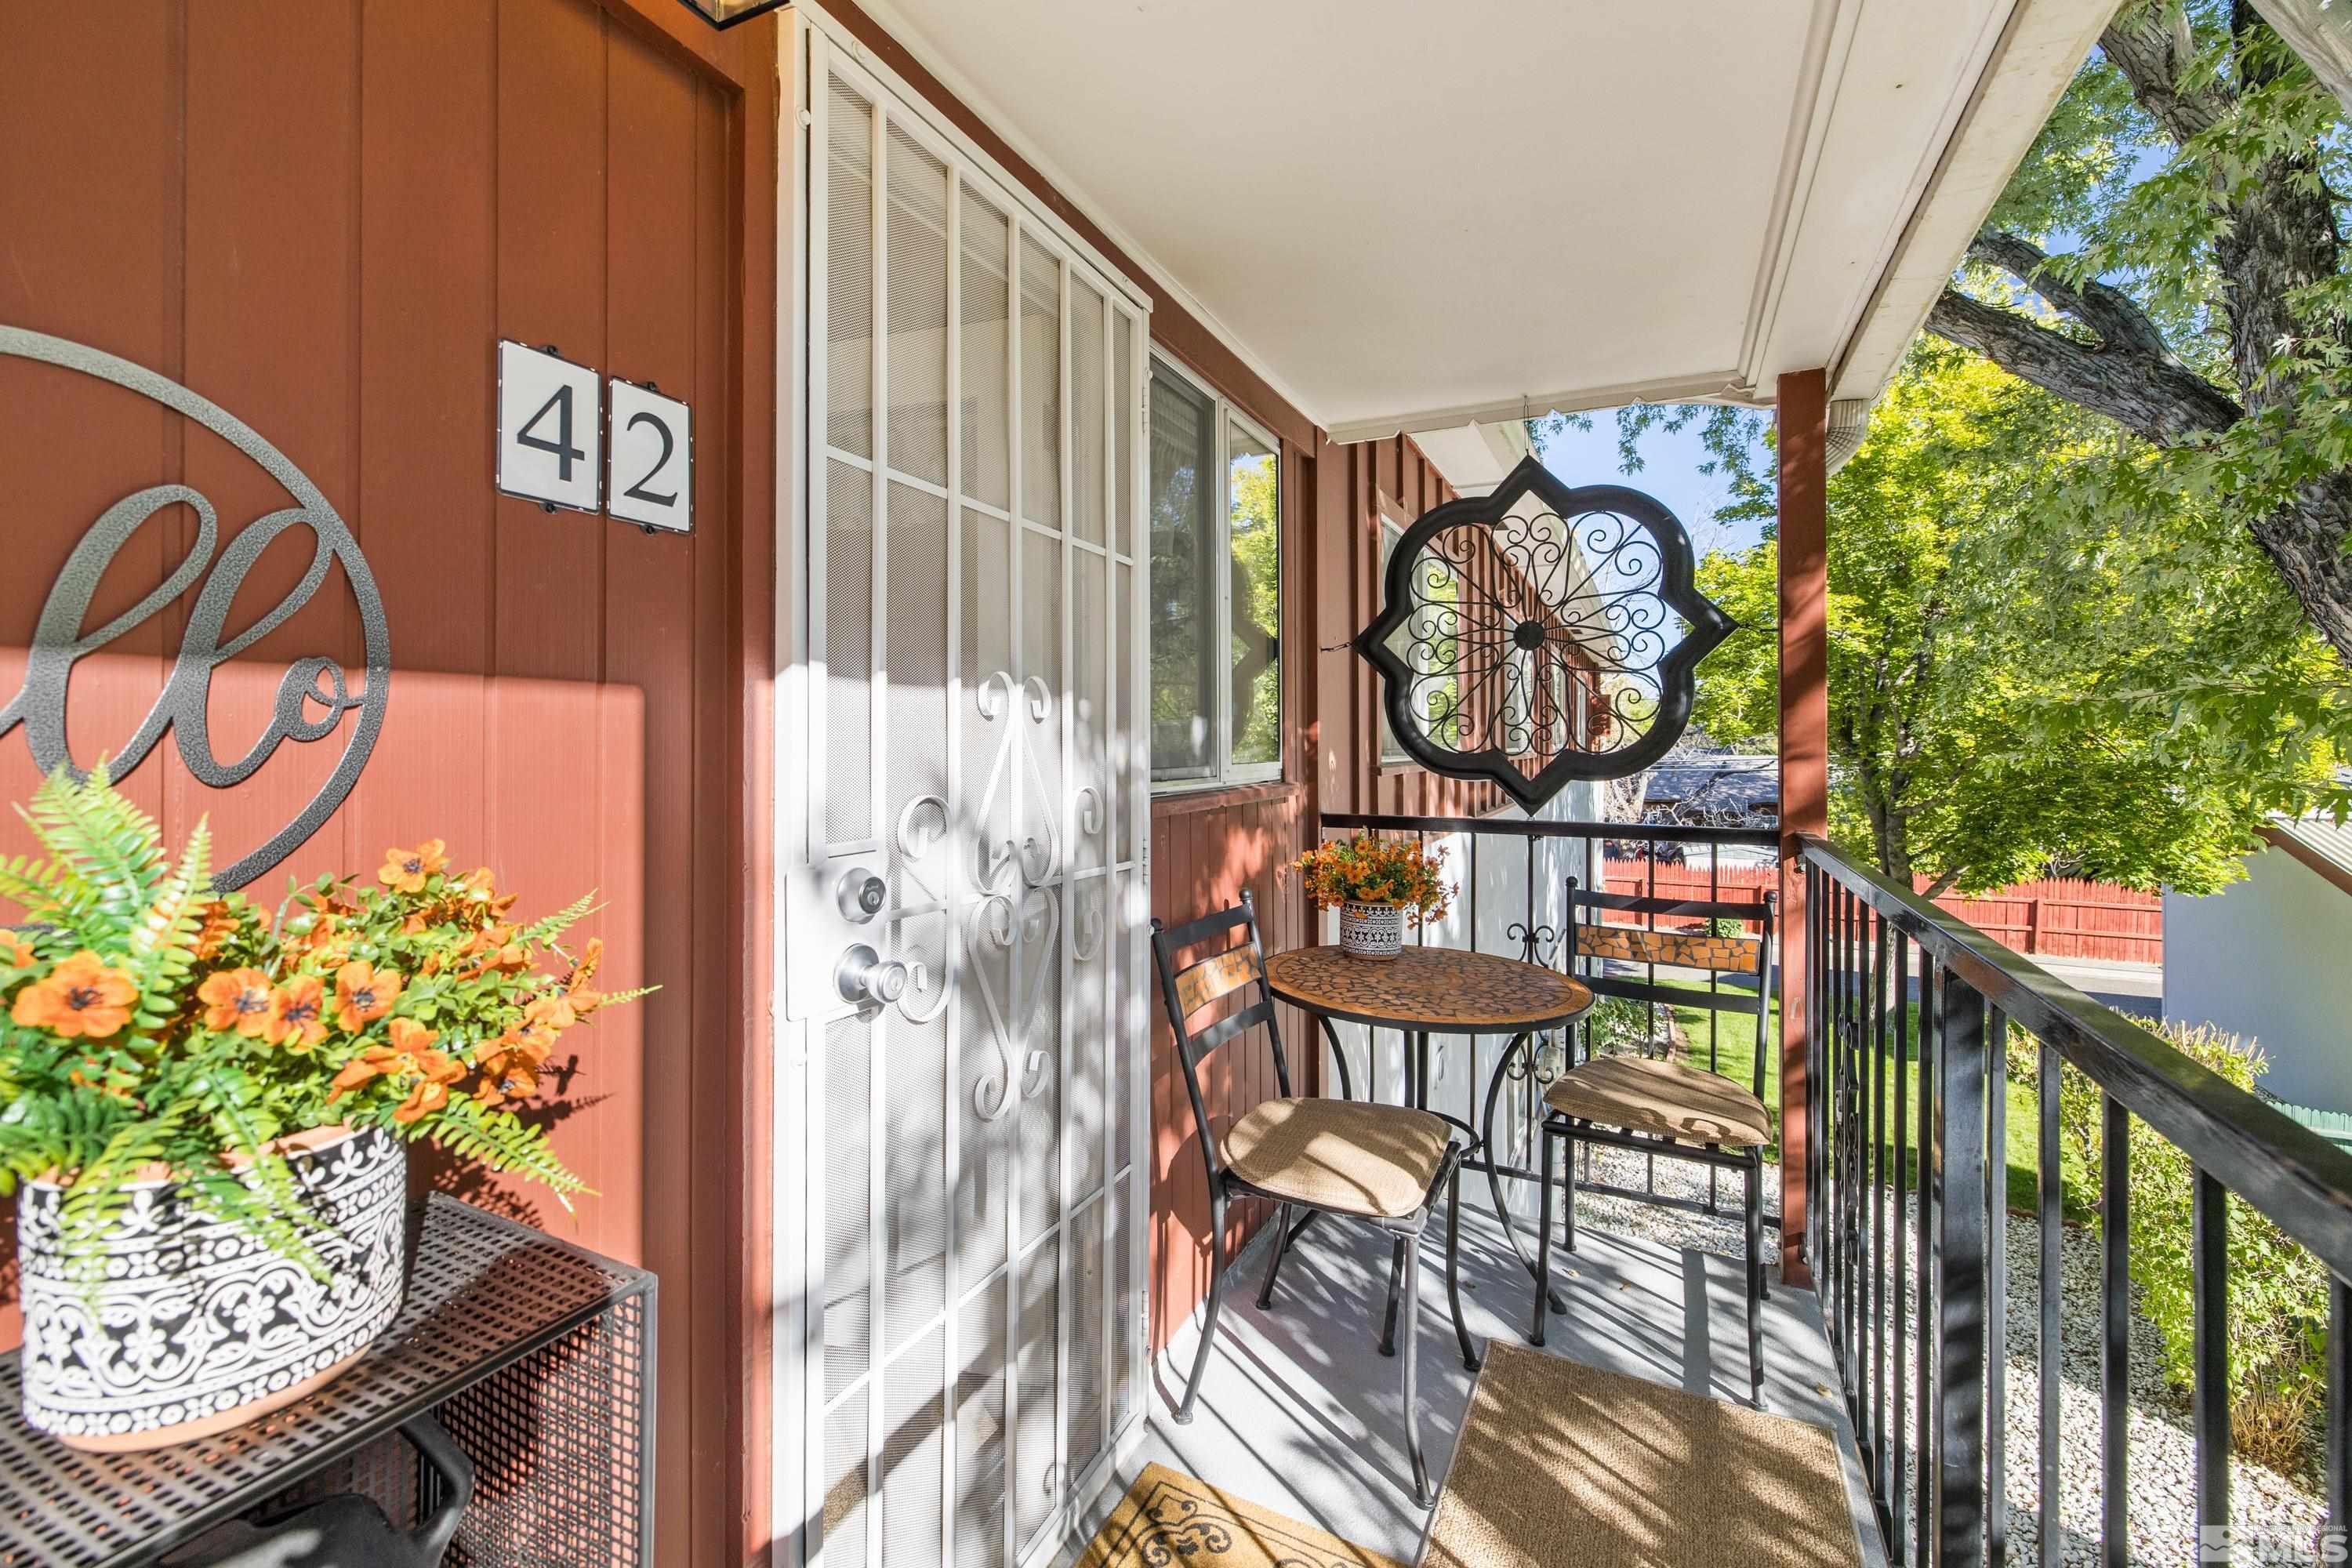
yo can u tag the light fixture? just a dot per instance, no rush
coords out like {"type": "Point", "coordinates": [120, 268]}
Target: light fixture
{"type": "Point", "coordinates": [727, 13]}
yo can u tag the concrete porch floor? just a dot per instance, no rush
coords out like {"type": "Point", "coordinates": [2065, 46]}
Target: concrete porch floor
{"type": "Point", "coordinates": [1301, 1413]}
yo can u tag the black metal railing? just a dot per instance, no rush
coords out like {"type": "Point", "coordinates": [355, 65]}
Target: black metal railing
{"type": "Point", "coordinates": [1540, 859]}
{"type": "Point", "coordinates": [1894, 980]}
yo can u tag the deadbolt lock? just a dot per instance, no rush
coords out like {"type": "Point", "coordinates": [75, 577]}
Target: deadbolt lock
{"type": "Point", "coordinates": [860, 894]}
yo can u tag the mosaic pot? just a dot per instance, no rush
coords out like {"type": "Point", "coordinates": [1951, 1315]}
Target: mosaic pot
{"type": "Point", "coordinates": [196, 1326]}
{"type": "Point", "coordinates": [1371, 930]}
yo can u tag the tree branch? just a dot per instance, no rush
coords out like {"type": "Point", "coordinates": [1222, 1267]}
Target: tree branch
{"type": "Point", "coordinates": [2156, 396]}
{"type": "Point", "coordinates": [2108, 311]}
{"type": "Point", "coordinates": [2154, 49]}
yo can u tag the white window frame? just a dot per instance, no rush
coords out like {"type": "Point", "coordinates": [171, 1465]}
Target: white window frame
{"type": "Point", "coordinates": [1393, 752]}
{"type": "Point", "coordinates": [1224, 773]}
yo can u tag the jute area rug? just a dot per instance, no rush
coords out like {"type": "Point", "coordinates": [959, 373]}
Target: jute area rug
{"type": "Point", "coordinates": [1560, 1463]}
{"type": "Point", "coordinates": [1168, 1518]}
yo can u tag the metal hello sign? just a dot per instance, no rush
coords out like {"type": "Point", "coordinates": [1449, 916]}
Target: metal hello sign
{"type": "Point", "coordinates": [313, 694]}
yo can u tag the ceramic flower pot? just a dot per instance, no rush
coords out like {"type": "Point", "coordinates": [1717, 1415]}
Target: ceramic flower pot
{"type": "Point", "coordinates": [1371, 930]}
{"type": "Point", "coordinates": [195, 1327]}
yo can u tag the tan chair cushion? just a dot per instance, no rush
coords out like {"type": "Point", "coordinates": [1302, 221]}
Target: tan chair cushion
{"type": "Point", "coordinates": [1668, 1098]}
{"type": "Point", "coordinates": [1371, 1160]}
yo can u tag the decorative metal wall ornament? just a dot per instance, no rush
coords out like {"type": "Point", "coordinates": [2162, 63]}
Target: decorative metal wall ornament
{"type": "Point", "coordinates": [1541, 634]}
{"type": "Point", "coordinates": [59, 639]}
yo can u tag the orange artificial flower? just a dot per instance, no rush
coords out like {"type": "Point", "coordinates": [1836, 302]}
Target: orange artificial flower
{"type": "Point", "coordinates": [20, 954]}
{"type": "Point", "coordinates": [297, 1014]}
{"type": "Point", "coordinates": [546, 1019]}
{"type": "Point", "coordinates": [410, 1056]}
{"type": "Point", "coordinates": [584, 999]}
{"type": "Point", "coordinates": [220, 923]}
{"type": "Point", "coordinates": [511, 1064]}
{"type": "Point", "coordinates": [501, 951]}
{"type": "Point", "coordinates": [405, 870]}
{"type": "Point", "coordinates": [80, 996]}
{"type": "Point", "coordinates": [363, 993]}
{"type": "Point", "coordinates": [235, 999]}
{"type": "Point", "coordinates": [507, 1073]}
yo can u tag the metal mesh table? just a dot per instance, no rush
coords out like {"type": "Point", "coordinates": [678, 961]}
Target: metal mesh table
{"type": "Point", "coordinates": [535, 1354]}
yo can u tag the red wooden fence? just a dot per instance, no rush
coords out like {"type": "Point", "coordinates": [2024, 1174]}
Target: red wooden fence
{"type": "Point", "coordinates": [2059, 917]}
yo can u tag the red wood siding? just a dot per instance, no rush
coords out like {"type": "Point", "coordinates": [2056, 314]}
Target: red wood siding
{"type": "Point", "coordinates": [322, 217]}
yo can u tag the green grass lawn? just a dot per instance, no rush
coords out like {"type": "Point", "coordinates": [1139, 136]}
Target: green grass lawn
{"type": "Point", "coordinates": [1735, 1057]}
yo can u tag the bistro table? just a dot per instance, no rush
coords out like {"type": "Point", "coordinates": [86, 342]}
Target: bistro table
{"type": "Point", "coordinates": [1424, 991]}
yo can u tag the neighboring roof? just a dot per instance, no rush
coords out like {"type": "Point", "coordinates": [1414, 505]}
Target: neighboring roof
{"type": "Point", "coordinates": [2317, 835]}
{"type": "Point", "coordinates": [1715, 783]}
{"type": "Point", "coordinates": [1408, 218]}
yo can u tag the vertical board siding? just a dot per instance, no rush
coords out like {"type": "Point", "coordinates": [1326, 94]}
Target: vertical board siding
{"type": "Point", "coordinates": [321, 219]}
{"type": "Point", "coordinates": [1207, 849]}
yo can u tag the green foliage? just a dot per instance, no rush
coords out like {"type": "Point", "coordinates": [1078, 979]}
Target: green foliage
{"type": "Point", "coordinates": [2021, 681]}
{"type": "Point", "coordinates": [1256, 531]}
{"type": "Point", "coordinates": [2277, 1289]}
{"type": "Point", "coordinates": [155, 1028]}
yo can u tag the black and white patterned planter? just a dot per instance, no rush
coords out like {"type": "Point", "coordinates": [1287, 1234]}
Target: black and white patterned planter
{"type": "Point", "coordinates": [1371, 930]}
{"type": "Point", "coordinates": [196, 1327]}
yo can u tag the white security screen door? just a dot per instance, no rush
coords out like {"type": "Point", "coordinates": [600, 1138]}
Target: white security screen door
{"type": "Point", "coordinates": [966, 898]}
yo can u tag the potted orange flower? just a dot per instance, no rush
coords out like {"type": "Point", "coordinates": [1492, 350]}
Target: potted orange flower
{"type": "Point", "coordinates": [1379, 886]}
{"type": "Point", "coordinates": [205, 1108]}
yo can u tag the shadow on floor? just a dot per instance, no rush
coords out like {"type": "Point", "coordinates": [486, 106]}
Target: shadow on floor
{"type": "Point", "coordinates": [1301, 1413]}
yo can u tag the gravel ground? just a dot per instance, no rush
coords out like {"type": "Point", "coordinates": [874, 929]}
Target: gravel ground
{"type": "Point", "coordinates": [2284, 1515]}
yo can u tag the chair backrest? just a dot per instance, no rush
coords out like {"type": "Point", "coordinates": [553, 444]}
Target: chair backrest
{"type": "Point", "coordinates": [1187, 990]}
{"type": "Point", "coordinates": [1738, 955]}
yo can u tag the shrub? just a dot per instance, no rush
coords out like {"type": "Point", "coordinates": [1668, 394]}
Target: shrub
{"type": "Point", "coordinates": [2277, 1289]}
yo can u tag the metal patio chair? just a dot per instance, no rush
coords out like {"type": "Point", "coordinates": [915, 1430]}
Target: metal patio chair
{"type": "Point", "coordinates": [1381, 1164]}
{"type": "Point", "coordinates": [1654, 1105]}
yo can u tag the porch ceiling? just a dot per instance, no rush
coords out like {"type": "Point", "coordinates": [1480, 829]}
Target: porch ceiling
{"type": "Point", "coordinates": [1408, 216]}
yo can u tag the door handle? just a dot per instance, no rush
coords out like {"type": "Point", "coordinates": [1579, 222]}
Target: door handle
{"type": "Point", "coordinates": [869, 980]}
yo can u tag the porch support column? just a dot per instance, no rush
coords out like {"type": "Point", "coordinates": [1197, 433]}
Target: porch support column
{"type": "Point", "coordinates": [1803, 400]}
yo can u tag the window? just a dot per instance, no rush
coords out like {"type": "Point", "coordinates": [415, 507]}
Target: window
{"type": "Point", "coordinates": [1216, 589]}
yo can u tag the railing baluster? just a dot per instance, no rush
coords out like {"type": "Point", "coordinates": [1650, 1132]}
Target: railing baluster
{"type": "Point", "coordinates": [2115, 1358]}
{"type": "Point", "coordinates": [1714, 979]}
{"type": "Point", "coordinates": [1857, 1104]}
{"type": "Point", "coordinates": [1961, 1271]}
{"type": "Point", "coordinates": [2339, 1404]}
{"type": "Point", "coordinates": [1897, 1494]}
{"type": "Point", "coordinates": [1816, 984]}
{"type": "Point", "coordinates": [1996, 1251]}
{"type": "Point", "coordinates": [1924, 1521]}
{"type": "Point", "coordinates": [2052, 1195]}
{"type": "Point", "coordinates": [1834, 1119]}
{"type": "Point", "coordinates": [2209, 1390]}
{"type": "Point", "coordinates": [1881, 948]}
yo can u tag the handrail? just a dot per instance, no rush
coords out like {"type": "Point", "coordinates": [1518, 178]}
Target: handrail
{"type": "Point", "coordinates": [1507, 827]}
{"type": "Point", "coordinates": [2296, 1177]}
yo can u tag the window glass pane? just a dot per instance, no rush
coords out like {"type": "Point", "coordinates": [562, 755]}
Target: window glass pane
{"type": "Point", "coordinates": [1184, 581]}
{"type": "Point", "coordinates": [1256, 532]}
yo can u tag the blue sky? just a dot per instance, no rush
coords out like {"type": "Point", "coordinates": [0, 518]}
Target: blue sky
{"type": "Point", "coordinates": [1670, 471]}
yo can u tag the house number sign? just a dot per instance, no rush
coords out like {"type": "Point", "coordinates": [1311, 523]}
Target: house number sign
{"type": "Point", "coordinates": [312, 695]}
{"type": "Point", "coordinates": [570, 442]}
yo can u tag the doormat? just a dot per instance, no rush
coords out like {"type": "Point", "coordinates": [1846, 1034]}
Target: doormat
{"type": "Point", "coordinates": [1167, 1517]}
{"type": "Point", "coordinates": [1565, 1466]}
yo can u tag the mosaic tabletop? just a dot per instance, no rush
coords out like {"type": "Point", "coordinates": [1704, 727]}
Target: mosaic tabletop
{"type": "Point", "coordinates": [1442, 990]}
